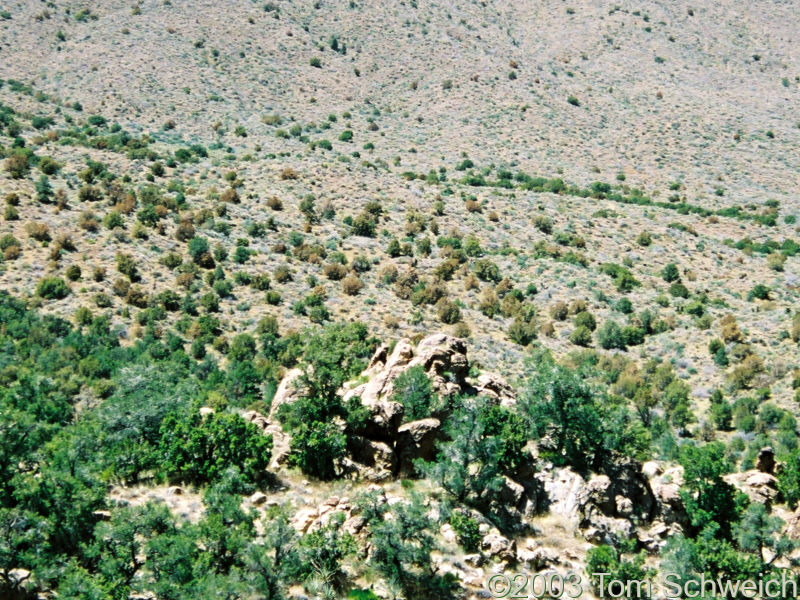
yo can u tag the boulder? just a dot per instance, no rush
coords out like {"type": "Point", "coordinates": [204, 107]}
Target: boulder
{"type": "Point", "coordinates": [384, 419]}
{"type": "Point", "coordinates": [600, 529]}
{"type": "Point", "coordinates": [651, 469]}
{"type": "Point", "coordinates": [382, 373]}
{"type": "Point", "coordinates": [288, 391]}
{"type": "Point", "coordinates": [495, 387]}
{"type": "Point", "coordinates": [375, 455]}
{"type": "Point", "coordinates": [562, 487]}
{"type": "Point", "coordinates": [512, 492]}
{"type": "Point", "coordinates": [499, 547]}
{"type": "Point", "coordinates": [280, 445]}
{"type": "Point", "coordinates": [760, 487]}
{"type": "Point", "coordinates": [668, 501]}
{"type": "Point", "coordinates": [416, 440]}
{"type": "Point", "coordinates": [539, 558]}
{"type": "Point", "coordinates": [258, 499]}
{"type": "Point", "coordinates": [792, 529]}
{"type": "Point", "coordinates": [256, 418]}
{"type": "Point", "coordinates": [304, 518]}
{"type": "Point", "coordinates": [439, 353]}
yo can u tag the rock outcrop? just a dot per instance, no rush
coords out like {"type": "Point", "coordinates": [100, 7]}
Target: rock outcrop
{"type": "Point", "coordinates": [386, 445]}
{"type": "Point", "coordinates": [628, 499]}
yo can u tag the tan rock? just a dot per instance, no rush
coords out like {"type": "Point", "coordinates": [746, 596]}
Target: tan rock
{"type": "Point", "coordinates": [304, 518]}
{"type": "Point", "coordinates": [759, 486]}
{"type": "Point", "coordinates": [416, 440]}
{"type": "Point", "coordinates": [497, 546]}
{"type": "Point", "coordinates": [288, 391]}
{"type": "Point", "coordinates": [258, 499]}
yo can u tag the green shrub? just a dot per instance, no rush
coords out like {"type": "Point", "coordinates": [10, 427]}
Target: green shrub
{"type": "Point", "coordinates": [414, 391]}
{"type": "Point", "coordinates": [467, 531]}
{"type": "Point", "coordinates": [52, 288]}
{"type": "Point", "coordinates": [486, 270]}
{"type": "Point", "coordinates": [197, 449]}
{"type": "Point", "coordinates": [317, 448]}
{"type": "Point", "coordinates": [759, 292]}
{"type": "Point", "coordinates": [610, 336]}
{"type": "Point", "coordinates": [364, 225]}
{"type": "Point", "coordinates": [522, 332]}
{"type": "Point", "coordinates": [448, 311]}
{"type": "Point", "coordinates": [581, 336]}
{"type": "Point", "coordinates": [670, 273]}
{"type": "Point", "coordinates": [678, 290]}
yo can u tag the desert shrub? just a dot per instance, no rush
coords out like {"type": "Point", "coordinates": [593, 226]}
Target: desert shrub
{"type": "Point", "coordinates": [543, 224]}
{"type": "Point", "coordinates": [446, 269]}
{"type": "Point", "coordinates": [447, 311]}
{"type": "Point", "coordinates": [678, 290]}
{"type": "Point", "coordinates": [623, 278]}
{"type": "Point", "coordinates": [126, 265]}
{"type": "Point", "coordinates": [473, 206]}
{"type": "Point", "coordinates": [10, 213]}
{"type": "Point", "coordinates": [610, 336]}
{"type": "Point", "coordinates": [467, 531]}
{"type": "Point", "coordinates": [730, 331]}
{"type": "Point", "coordinates": [352, 285]}
{"type": "Point", "coordinates": [113, 220]}
{"type": "Point", "coordinates": [486, 270]}
{"type": "Point", "coordinates": [364, 225]}
{"type": "Point", "coordinates": [481, 440]}
{"type": "Point", "coordinates": [670, 273]}
{"type": "Point", "coordinates": [522, 331]}
{"type": "Point", "coordinates": [388, 274]}
{"type": "Point", "coordinates": [273, 297]}
{"type": "Point", "coordinates": [559, 311]}
{"type": "Point", "coordinates": [38, 231]}
{"type": "Point", "coordinates": [121, 287]}
{"type": "Point", "coordinates": [7, 241]}
{"type": "Point", "coordinates": [11, 252]}
{"type": "Point", "coordinates": [241, 255]}
{"type": "Point", "coordinates": [624, 306]}
{"type": "Point", "coordinates": [52, 288]}
{"type": "Point", "coordinates": [90, 193]}
{"type": "Point", "coordinates": [405, 283]}
{"type": "Point", "coordinates": [644, 239]}
{"type": "Point", "coordinates": [282, 274]}
{"type": "Point", "coordinates": [334, 271]}
{"type": "Point", "coordinates": [581, 336]}
{"type": "Point", "coordinates": [17, 165]}
{"type": "Point", "coordinates": [632, 335]}
{"type": "Point", "coordinates": [88, 221]}
{"type": "Point", "coordinates": [185, 231]}
{"type": "Point", "coordinates": [73, 272]}
{"type": "Point", "coordinates": [607, 560]}
{"type": "Point", "coordinates": [361, 264]}
{"type": "Point", "coordinates": [137, 297]}
{"type": "Point", "coordinates": [759, 292]}
{"type": "Point", "coordinates": [585, 319]}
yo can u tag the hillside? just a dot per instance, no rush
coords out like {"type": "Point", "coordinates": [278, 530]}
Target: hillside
{"type": "Point", "coordinates": [213, 191]}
